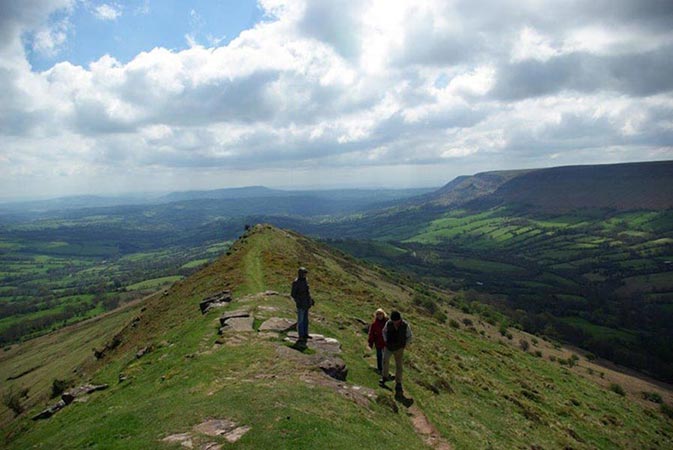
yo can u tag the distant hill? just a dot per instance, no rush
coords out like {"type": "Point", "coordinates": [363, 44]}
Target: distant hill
{"type": "Point", "coordinates": [223, 194]}
{"type": "Point", "coordinates": [469, 383]}
{"type": "Point", "coordinates": [647, 185]}
{"type": "Point", "coordinates": [466, 188]}
{"type": "Point", "coordinates": [629, 186]}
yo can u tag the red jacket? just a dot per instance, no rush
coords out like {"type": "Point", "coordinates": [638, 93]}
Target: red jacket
{"type": "Point", "coordinates": [376, 334]}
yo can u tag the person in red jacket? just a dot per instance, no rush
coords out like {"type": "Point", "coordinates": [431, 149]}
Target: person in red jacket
{"type": "Point", "coordinates": [376, 337]}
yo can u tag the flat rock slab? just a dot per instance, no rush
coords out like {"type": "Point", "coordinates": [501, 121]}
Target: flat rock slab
{"type": "Point", "coordinates": [222, 427]}
{"type": "Point", "coordinates": [267, 308]}
{"type": "Point", "coordinates": [237, 324]}
{"type": "Point", "coordinates": [220, 299]}
{"type": "Point", "coordinates": [278, 324]}
{"type": "Point", "coordinates": [233, 315]}
{"type": "Point", "coordinates": [318, 342]}
{"type": "Point", "coordinates": [215, 427]}
{"type": "Point", "coordinates": [185, 439]}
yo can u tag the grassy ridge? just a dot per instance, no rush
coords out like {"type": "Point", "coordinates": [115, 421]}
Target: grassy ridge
{"type": "Point", "coordinates": [477, 390]}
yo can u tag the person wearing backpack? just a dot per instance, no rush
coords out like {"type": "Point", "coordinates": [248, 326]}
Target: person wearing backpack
{"type": "Point", "coordinates": [397, 335]}
{"type": "Point", "coordinates": [376, 337]}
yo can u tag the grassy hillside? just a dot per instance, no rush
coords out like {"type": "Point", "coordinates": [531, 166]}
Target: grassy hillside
{"type": "Point", "coordinates": [468, 386]}
{"type": "Point", "coordinates": [611, 269]}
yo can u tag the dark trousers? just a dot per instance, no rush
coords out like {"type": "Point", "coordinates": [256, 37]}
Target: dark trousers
{"type": "Point", "coordinates": [302, 323]}
{"type": "Point", "coordinates": [379, 359]}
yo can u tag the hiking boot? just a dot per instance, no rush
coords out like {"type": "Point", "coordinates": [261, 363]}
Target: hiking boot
{"type": "Point", "coordinates": [382, 382]}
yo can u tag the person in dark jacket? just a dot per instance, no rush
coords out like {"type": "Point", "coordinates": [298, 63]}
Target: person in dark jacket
{"type": "Point", "coordinates": [397, 335]}
{"type": "Point", "coordinates": [376, 337]}
{"type": "Point", "coordinates": [302, 298]}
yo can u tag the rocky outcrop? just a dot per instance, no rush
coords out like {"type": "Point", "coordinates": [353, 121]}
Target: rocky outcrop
{"type": "Point", "coordinates": [67, 398]}
{"type": "Point", "coordinates": [220, 299]}
{"type": "Point", "coordinates": [334, 367]}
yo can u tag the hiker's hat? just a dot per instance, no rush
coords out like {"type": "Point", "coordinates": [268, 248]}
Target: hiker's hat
{"type": "Point", "coordinates": [302, 270]}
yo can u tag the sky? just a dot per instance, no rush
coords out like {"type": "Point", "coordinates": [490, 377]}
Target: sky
{"type": "Point", "coordinates": [102, 97]}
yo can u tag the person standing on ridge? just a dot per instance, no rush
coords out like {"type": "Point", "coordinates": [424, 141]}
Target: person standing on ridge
{"type": "Point", "coordinates": [376, 337]}
{"type": "Point", "coordinates": [397, 335]}
{"type": "Point", "coordinates": [302, 298]}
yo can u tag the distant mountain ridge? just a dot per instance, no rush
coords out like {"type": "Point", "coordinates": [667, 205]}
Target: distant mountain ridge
{"type": "Point", "coordinates": [645, 185]}
{"type": "Point", "coordinates": [466, 188]}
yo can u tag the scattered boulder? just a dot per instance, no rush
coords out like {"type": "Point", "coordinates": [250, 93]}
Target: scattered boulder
{"type": "Point", "coordinates": [270, 293]}
{"type": "Point", "coordinates": [82, 390]}
{"type": "Point", "coordinates": [233, 315]}
{"type": "Point", "coordinates": [278, 324]}
{"type": "Point", "coordinates": [220, 299]}
{"type": "Point", "coordinates": [142, 352]}
{"type": "Point", "coordinates": [114, 343]}
{"type": "Point", "coordinates": [67, 398]}
{"type": "Point", "coordinates": [53, 409]}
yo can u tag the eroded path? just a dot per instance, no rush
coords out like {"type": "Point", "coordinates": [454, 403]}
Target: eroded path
{"type": "Point", "coordinates": [426, 429]}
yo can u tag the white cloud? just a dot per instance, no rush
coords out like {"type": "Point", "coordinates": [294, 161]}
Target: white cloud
{"type": "Point", "coordinates": [320, 88]}
{"type": "Point", "coordinates": [110, 12]}
{"type": "Point", "coordinates": [49, 40]}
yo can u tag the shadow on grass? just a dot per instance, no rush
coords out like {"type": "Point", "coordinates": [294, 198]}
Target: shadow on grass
{"type": "Point", "coordinates": [406, 401]}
